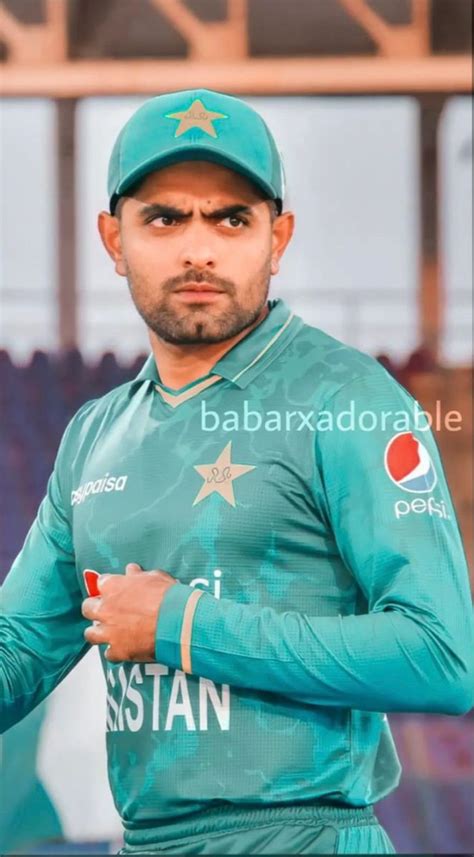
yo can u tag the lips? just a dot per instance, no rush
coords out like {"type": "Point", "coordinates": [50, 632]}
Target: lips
{"type": "Point", "coordinates": [199, 287]}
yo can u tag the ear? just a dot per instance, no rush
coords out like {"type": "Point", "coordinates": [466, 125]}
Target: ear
{"type": "Point", "coordinates": [109, 229]}
{"type": "Point", "coordinates": [282, 231]}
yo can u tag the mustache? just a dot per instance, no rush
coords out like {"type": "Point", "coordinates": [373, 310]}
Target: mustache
{"type": "Point", "coordinates": [191, 276]}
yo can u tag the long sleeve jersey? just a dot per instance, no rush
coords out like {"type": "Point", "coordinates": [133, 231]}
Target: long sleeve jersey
{"type": "Point", "coordinates": [297, 495]}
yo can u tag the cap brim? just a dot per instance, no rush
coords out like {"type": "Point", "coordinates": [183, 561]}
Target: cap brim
{"type": "Point", "coordinates": [191, 153]}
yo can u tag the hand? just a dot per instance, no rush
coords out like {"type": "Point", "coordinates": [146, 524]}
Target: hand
{"type": "Point", "coordinates": [125, 612]}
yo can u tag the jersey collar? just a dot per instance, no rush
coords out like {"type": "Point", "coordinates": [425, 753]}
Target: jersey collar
{"type": "Point", "coordinates": [242, 363]}
{"type": "Point", "coordinates": [245, 360]}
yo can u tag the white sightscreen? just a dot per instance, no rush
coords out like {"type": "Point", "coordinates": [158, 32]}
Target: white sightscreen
{"type": "Point", "coordinates": [455, 207]}
{"type": "Point", "coordinates": [28, 193]}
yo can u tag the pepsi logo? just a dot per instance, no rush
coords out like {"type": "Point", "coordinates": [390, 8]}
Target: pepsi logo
{"type": "Point", "coordinates": [409, 464]}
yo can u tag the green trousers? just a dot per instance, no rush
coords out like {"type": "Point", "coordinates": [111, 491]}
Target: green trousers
{"type": "Point", "coordinates": [282, 830]}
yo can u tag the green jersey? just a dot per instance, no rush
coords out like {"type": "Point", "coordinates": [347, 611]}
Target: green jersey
{"type": "Point", "coordinates": [297, 495]}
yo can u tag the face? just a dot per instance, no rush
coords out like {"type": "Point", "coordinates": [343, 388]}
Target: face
{"type": "Point", "coordinates": [198, 246]}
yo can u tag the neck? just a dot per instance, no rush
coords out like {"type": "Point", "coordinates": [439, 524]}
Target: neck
{"type": "Point", "coordinates": [179, 365]}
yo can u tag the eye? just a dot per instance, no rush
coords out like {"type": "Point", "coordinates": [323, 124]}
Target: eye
{"type": "Point", "coordinates": [162, 221]}
{"type": "Point", "coordinates": [235, 221]}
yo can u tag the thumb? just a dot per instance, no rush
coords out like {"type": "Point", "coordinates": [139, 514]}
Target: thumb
{"type": "Point", "coordinates": [133, 568]}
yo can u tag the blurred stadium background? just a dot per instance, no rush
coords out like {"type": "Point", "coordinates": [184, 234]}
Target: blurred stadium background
{"type": "Point", "coordinates": [370, 101]}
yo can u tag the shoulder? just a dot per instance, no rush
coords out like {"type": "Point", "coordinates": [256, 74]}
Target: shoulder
{"type": "Point", "coordinates": [96, 414]}
{"type": "Point", "coordinates": [336, 370]}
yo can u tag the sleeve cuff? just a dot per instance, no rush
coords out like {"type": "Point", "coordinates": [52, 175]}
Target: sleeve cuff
{"type": "Point", "coordinates": [170, 624]}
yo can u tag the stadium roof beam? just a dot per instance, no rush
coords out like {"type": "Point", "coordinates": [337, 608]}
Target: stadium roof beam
{"type": "Point", "coordinates": [210, 40]}
{"type": "Point", "coordinates": [30, 43]}
{"type": "Point", "coordinates": [394, 40]}
{"type": "Point", "coordinates": [265, 76]}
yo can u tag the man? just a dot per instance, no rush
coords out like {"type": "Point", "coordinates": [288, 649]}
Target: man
{"type": "Point", "coordinates": [260, 520]}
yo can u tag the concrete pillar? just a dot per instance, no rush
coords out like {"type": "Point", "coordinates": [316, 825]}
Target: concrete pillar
{"type": "Point", "coordinates": [66, 224]}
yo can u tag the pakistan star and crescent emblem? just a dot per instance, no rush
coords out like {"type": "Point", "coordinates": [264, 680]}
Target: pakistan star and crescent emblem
{"type": "Point", "coordinates": [196, 116]}
{"type": "Point", "coordinates": [219, 477]}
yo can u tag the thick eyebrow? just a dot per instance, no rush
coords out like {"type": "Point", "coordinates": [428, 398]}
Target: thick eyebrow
{"type": "Point", "coordinates": [156, 209]}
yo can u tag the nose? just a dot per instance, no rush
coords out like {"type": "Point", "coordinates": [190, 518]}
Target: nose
{"type": "Point", "coordinates": [197, 250]}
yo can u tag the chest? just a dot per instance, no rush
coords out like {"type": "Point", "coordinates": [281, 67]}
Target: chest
{"type": "Point", "coordinates": [203, 501]}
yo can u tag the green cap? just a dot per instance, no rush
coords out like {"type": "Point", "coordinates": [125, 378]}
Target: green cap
{"type": "Point", "coordinates": [199, 125]}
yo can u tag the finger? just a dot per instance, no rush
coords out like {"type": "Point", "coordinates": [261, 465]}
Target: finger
{"type": "Point", "coordinates": [102, 580]}
{"type": "Point", "coordinates": [96, 634]}
{"type": "Point", "coordinates": [91, 607]}
{"type": "Point", "coordinates": [158, 572]}
{"type": "Point", "coordinates": [165, 576]}
{"type": "Point", "coordinates": [111, 656]}
{"type": "Point", "coordinates": [133, 568]}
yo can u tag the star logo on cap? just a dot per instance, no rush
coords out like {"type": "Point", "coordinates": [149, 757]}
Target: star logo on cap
{"type": "Point", "coordinates": [218, 477]}
{"type": "Point", "coordinates": [196, 116]}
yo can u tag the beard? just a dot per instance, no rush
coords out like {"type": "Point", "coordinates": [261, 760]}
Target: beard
{"type": "Point", "coordinates": [198, 324]}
